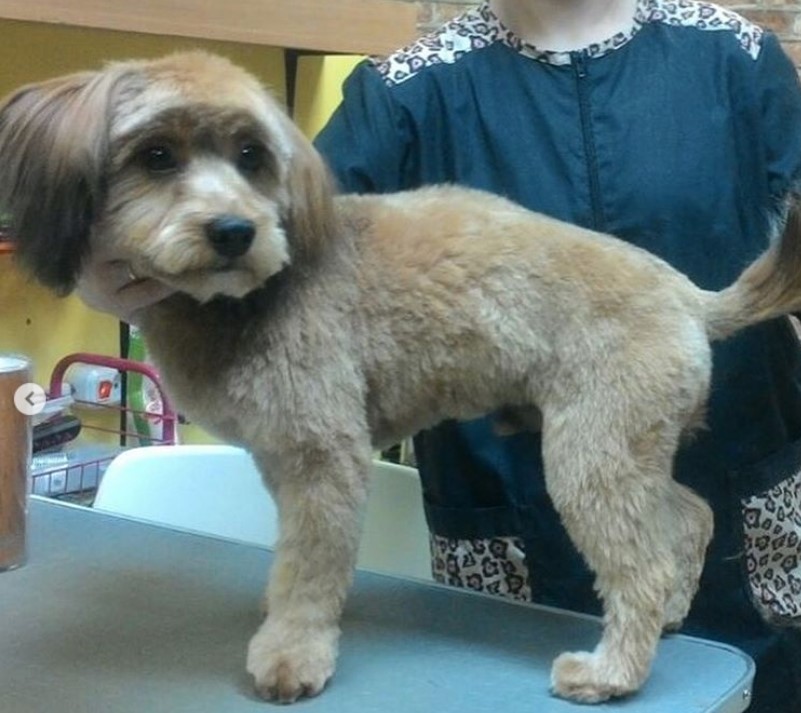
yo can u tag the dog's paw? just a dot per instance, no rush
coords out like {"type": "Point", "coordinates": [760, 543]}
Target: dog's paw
{"type": "Point", "coordinates": [673, 619]}
{"type": "Point", "coordinates": [584, 677]}
{"type": "Point", "coordinates": [678, 606]}
{"type": "Point", "coordinates": [288, 664]}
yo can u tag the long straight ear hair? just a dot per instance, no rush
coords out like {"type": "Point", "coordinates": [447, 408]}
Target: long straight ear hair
{"type": "Point", "coordinates": [310, 220]}
{"type": "Point", "coordinates": [53, 144]}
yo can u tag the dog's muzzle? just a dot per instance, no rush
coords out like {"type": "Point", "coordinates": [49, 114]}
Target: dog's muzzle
{"type": "Point", "coordinates": [230, 235]}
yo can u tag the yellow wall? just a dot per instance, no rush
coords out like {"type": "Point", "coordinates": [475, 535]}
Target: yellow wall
{"type": "Point", "coordinates": [30, 52]}
{"type": "Point", "coordinates": [319, 89]}
{"type": "Point", "coordinates": [34, 322]}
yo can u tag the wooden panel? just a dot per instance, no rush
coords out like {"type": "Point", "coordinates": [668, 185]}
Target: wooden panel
{"type": "Point", "coordinates": [356, 26]}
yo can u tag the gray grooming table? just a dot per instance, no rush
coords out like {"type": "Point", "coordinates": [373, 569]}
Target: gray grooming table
{"type": "Point", "coordinates": [115, 615]}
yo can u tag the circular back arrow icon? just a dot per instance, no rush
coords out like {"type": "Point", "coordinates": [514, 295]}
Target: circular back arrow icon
{"type": "Point", "coordinates": [30, 399]}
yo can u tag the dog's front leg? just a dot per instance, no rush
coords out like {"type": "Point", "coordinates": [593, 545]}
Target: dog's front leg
{"type": "Point", "coordinates": [320, 495]}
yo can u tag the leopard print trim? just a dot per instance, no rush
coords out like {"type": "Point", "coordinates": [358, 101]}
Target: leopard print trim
{"type": "Point", "coordinates": [707, 16]}
{"type": "Point", "coordinates": [475, 29]}
{"type": "Point", "coordinates": [480, 27]}
{"type": "Point", "coordinates": [772, 525]}
{"type": "Point", "coordinates": [494, 566]}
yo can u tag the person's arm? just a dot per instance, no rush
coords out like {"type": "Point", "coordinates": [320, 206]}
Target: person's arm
{"type": "Point", "coordinates": [779, 92]}
{"type": "Point", "coordinates": [110, 286]}
{"type": "Point", "coordinates": [367, 142]}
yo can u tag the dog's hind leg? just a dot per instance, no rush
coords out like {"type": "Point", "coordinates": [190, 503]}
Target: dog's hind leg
{"type": "Point", "coordinates": [613, 495]}
{"type": "Point", "coordinates": [690, 531]}
{"type": "Point", "coordinates": [320, 493]}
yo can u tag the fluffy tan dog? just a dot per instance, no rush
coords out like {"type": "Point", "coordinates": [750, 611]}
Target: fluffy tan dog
{"type": "Point", "coordinates": [314, 328]}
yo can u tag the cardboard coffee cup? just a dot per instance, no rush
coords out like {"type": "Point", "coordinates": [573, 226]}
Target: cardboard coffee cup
{"type": "Point", "coordinates": [15, 460]}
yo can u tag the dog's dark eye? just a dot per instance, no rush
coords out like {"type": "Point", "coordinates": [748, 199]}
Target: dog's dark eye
{"type": "Point", "coordinates": [251, 158]}
{"type": "Point", "coordinates": [159, 159]}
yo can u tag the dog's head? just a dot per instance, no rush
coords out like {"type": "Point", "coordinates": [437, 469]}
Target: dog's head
{"type": "Point", "coordinates": [183, 166]}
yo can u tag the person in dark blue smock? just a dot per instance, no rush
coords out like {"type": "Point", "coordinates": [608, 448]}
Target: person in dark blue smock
{"type": "Point", "coordinates": [677, 127]}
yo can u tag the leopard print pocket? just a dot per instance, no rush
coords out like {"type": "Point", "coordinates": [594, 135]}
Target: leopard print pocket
{"type": "Point", "coordinates": [494, 566]}
{"type": "Point", "coordinates": [772, 528]}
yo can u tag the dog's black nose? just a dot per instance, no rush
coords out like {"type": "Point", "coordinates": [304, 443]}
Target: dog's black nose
{"type": "Point", "coordinates": [230, 235]}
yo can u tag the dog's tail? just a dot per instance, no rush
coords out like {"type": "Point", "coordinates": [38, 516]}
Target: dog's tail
{"type": "Point", "coordinates": [769, 287]}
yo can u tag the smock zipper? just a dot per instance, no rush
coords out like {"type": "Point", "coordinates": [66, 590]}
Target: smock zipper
{"type": "Point", "coordinates": [579, 61]}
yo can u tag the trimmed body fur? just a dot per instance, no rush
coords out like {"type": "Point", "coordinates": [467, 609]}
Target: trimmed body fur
{"type": "Point", "coordinates": [348, 322]}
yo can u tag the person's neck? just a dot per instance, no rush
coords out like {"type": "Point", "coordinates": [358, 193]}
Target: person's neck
{"type": "Point", "coordinates": [565, 25]}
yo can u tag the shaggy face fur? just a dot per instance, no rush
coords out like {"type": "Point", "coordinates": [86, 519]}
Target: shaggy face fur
{"type": "Point", "coordinates": [313, 328]}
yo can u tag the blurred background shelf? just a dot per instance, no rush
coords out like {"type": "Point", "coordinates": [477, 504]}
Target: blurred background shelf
{"type": "Point", "coordinates": [363, 26]}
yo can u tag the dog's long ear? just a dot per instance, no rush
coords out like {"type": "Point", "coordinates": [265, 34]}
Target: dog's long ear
{"type": "Point", "coordinates": [53, 139]}
{"type": "Point", "coordinates": [311, 219]}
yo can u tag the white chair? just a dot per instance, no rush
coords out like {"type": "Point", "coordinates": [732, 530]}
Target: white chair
{"type": "Point", "coordinates": [217, 489]}
{"type": "Point", "coordinates": [395, 534]}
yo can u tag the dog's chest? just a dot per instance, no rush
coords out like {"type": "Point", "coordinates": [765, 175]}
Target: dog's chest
{"type": "Point", "coordinates": [207, 397]}
{"type": "Point", "coordinates": [213, 381]}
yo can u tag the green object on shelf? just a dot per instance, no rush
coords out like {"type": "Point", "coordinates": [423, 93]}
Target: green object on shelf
{"type": "Point", "coordinates": [137, 391]}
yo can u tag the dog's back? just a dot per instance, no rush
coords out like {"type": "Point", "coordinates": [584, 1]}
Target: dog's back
{"type": "Point", "coordinates": [471, 303]}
